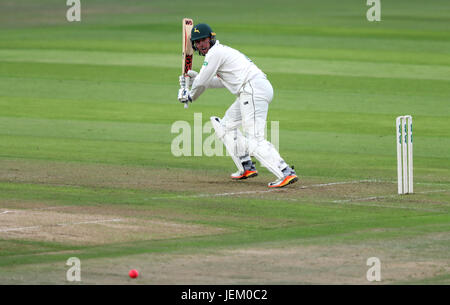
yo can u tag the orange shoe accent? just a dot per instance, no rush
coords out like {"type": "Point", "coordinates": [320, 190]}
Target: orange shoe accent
{"type": "Point", "coordinates": [288, 180]}
{"type": "Point", "coordinates": [245, 175]}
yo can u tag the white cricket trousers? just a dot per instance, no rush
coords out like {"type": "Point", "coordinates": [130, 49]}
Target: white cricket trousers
{"type": "Point", "coordinates": [249, 111]}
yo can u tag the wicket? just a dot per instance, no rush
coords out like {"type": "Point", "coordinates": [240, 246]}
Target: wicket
{"type": "Point", "coordinates": [404, 154]}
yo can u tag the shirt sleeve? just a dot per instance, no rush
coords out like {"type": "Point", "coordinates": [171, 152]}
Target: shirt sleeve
{"type": "Point", "coordinates": [216, 82]}
{"type": "Point", "coordinates": [207, 75]}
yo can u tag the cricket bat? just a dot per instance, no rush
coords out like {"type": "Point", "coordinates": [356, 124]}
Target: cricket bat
{"type": "Point", "coordinates": [188, 51]}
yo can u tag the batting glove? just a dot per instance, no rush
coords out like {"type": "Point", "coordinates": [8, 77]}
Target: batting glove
{"type": "Point", "coordinates": [182, 80]}
{"type": "Point", "coordinates": [192, 74]}
{"type": "Point", "coordinates": [184, 96]}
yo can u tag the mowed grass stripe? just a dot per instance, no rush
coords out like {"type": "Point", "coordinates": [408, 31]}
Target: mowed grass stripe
{"type": "Point", "coordinates": [151, 76]}
{"type": "Point", "coordinates": [141, 101]}
{"type": "Point", "coordinates": [358, 29]}
{"type": "Point", "coordinates": [309, 162]}
{"type": "Point", "coordinates": [86, 129]}
{"type": "Point", "coordinates": [302, 66]}
{"type": "Point", "coordinates": [91, 57]}
{"type": "Point", "coordinates": [14, 249]}
{"type": "Point", "coordinates": [340, 140]}
{"type": "Point", "coordinates": [372, 54]}
{"type": "Point", "coordinates": [162, 77]}
{"type": "Point", "coordinates": [304, 117]}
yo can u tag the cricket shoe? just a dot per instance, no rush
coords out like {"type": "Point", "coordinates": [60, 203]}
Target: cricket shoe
{"type": "Point", "coordinates": [289, 177]}
{"type": "Point", "coordinates": [249, 171]}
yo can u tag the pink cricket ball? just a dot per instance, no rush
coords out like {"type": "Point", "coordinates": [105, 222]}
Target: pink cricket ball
{"type": "Point", "coordinates": [133, 273]}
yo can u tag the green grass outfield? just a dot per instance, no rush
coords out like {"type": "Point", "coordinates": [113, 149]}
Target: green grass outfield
{"type": "Point", "coordinates": [86, 168]}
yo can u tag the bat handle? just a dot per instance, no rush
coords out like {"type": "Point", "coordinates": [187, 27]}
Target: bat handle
{"type": "Point", "coordinates": [187, 80]}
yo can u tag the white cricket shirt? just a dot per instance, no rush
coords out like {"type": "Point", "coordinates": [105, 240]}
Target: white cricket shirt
{"type": "Point", "coordinates": [224, 67]}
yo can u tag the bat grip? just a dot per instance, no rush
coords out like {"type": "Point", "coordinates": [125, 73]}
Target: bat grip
{"type": "Point", "coordinates": [186, 86]}
{"type": "Point", "coordinates": [187, 80]}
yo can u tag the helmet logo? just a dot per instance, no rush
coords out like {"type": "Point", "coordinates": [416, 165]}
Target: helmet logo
{"type": "Point", "coordinates": [196, 31]}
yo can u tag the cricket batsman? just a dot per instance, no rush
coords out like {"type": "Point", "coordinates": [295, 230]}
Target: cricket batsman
{"type": "Point", "coordinates": [225, 67]}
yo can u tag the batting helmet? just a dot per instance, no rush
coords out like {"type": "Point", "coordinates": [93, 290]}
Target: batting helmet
{"type": "Point", "coordinates": [202, 30]}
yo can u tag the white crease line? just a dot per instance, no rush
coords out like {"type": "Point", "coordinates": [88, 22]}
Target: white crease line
{"type": "Point", "coordinates": [302, 187]}
{"type": "Point", "coordinates": [394, 207]}
{"type": "Point", "coordinates": [19, 229]}
{"type": "Point", "coordinates": [212, 195]}
{"type": "Point", "coordinates": [61, 225]}
{"type": "Point", "coordinates": [88, 222]}
{"type": "Point", "coordinates": [386, 196]}
{"type": "Point", "coordinates": [372, 205]}
{"type": "Point", "coordinates": [259, 192]}
{"type": "Point", "coordinates": [239, 193]}
{"type": "Point", "coordinates": [418, 183]}
{"type": "Point", "coordinates": [338, 183]}
{"type": "Point", "coordinates": [430, 183]}
{"type": "Point", "coordinates": [50, 208]}
{"type": "Point", "coordinates": [35, 209]}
